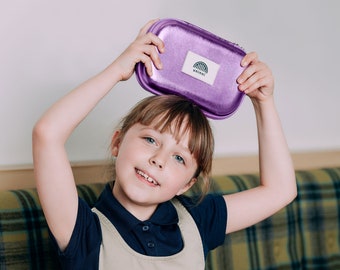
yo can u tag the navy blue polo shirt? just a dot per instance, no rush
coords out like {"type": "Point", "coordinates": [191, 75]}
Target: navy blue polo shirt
{"type": "Point", "coordinates": [157, 236]}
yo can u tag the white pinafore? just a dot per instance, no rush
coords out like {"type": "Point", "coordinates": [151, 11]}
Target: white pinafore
{"type": "Point", "coordinates": [115, 253]}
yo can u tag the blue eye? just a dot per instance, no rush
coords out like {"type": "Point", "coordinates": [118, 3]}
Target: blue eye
{"type": "Point", "coordinates": [150, 140]}
{"type": "Point", "coordinates": [179, 159]}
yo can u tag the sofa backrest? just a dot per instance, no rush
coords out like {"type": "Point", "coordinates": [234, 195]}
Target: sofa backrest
{"type": "Point", "coordinates": [303, 235]}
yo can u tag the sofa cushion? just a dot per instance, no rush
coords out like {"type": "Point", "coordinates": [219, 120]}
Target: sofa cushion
{"type": "Point", "coordinates": [303, 235]}
{"type": "Point", "coordinates": [318, 217]}
{"type": "Point", "coordinates": [24, 240]}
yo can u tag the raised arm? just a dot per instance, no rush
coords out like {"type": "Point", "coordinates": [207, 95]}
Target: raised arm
{"type": "Point", "coordinates": [278, 185]}
{"type": "Point", "coordinates": [53, 174]}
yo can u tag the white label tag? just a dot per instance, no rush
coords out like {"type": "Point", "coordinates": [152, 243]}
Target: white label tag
{"type": "Point", "coordinates": [200, 68]}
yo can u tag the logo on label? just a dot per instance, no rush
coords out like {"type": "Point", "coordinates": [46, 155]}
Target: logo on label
{"type": "Point", "coordinates": [200, 67]}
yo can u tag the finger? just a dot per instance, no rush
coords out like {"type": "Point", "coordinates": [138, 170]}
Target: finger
{"type": "Point", "coordinates": [247, 73]}
{"type": "Point", "coordinates": [260, 85]}
{"type": "Point", "coordinates": [249, 58]}
{"type": "Point", "coordinates": [253, 68]}
{"type": "Point", "coordinates": [146, 27]}
{"type": "Point", "coordinates": [150, 56]}
{"type": "Point", "coordinates": [151, 38]}
{"type": "Point", "coordinates": [147, 63]}
{"type": "Point", "coordinates": [260, 81]}
{"type": "Point", "coordinates": [152, 53]}
{"type": "Point", "coordinates": [252, 84]}
{"type": "Point", "coordinates": [155, 58]}
{"type": "Point", "coordinates": [255, 80]}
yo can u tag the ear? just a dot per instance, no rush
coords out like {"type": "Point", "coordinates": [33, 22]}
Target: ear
{"type": "Point", "coordinates": [187, 186]}
{"type": "Point", "coordinates": [115, 142]}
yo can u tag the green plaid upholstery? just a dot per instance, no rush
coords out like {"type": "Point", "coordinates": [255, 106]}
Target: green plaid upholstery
{"type": "Point", "coordinates": [24, 240]}
{"type": "Point", "coordinates": [304, 235]}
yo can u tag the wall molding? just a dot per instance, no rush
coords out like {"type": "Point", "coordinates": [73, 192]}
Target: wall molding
{"type": "Point", "coordinates": [16, 177]}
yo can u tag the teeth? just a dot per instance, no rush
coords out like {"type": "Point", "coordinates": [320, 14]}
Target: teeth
{"type": "Point", "coordinates": [147, 178]}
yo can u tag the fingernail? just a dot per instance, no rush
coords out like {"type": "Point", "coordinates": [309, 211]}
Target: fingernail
{"type": "Point", "coordinates": [245, 62]}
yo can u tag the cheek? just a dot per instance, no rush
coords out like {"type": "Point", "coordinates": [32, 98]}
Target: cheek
{"type": "Point", "coordinates": [122, 158]}
{"type": "Point", "coordinates": [180, 178]}
{"type": "Point", "coordinates": [128, 155]}
{"type": "Point", "coordinates": [125, 150]}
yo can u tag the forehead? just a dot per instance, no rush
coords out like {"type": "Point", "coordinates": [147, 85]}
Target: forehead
{"type": "Point", "coordinates": [178, 127]}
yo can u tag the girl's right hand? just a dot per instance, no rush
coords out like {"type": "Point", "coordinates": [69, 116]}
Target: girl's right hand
{"type": "Point", "coordinates": [143, 49]}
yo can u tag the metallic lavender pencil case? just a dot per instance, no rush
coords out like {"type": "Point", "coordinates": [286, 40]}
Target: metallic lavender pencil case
{"type": "Point", "coordinates": [197, 65]}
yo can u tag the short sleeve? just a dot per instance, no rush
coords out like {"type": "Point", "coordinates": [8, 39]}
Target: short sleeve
{"type": "Point", "coordinates": [84, 246]}
{"type": "Point", "coordinates": [210, 216]}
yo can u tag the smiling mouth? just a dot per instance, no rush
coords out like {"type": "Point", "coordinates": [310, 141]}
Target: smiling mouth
{"type": "Point", "coordinates": [147, 178]}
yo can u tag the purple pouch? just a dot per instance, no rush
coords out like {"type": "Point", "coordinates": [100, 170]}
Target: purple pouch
{"type": "Point", "coordinates": [197, 65]}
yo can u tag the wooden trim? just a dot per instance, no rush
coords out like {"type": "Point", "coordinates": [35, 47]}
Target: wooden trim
{"type": "Point", "coordinates": [17, 177]}
{"type": "Point", "coordinates": [249, 164]}
{"type": "Point", "coordinates": [20, 177]}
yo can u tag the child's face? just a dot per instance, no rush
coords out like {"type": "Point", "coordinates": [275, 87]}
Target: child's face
{"type": "Point", "coordinates": [151, 167]}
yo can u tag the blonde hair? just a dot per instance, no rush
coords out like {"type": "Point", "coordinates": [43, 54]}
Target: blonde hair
{"type": "Point", "coordinates": [169, 113]}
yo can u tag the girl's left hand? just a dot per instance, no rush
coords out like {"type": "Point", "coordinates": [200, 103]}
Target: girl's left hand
{"type": "Point", "coordinates": [256, 80]}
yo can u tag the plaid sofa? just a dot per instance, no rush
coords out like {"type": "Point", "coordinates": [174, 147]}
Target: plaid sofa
{"type": "Point", "coordinates": [304, 235]}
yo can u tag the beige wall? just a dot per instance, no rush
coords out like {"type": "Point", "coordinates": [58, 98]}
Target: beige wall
{"type": "Point", "coordinates": [47, 48]}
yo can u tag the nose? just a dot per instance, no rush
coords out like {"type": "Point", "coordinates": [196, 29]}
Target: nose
{"type": "Point", "coordinates": [158, 160]}
{"type": "Point", "coordinates": [156, 163]}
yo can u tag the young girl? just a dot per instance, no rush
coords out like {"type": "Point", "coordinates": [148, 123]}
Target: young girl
{"type": "Point", "coordinates": [163, 147]}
